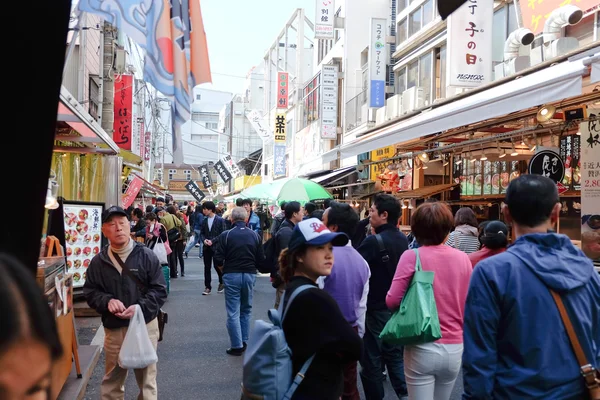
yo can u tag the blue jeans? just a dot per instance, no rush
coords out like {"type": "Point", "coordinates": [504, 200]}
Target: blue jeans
{"type": "Point", "coordinates": [239, 288]}
{"type": "Point", "coordinates": [191, 243]}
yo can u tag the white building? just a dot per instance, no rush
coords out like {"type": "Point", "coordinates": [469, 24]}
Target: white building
{"type": "Point", "coordinates": [201, 136]}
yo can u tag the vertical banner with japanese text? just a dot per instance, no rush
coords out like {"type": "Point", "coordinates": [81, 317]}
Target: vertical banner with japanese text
{"type": "Point", "coordinates": [324, 19]}
{"type": "Point", "coordinates": [260, 126]}
{"type": "Point", "coordinates": [147, 145]}
{"type": "Point", "coordinates": [222, 171]}
{"type": "Point", "coordinates": [230, 165]}
{"type": "Point", "coordinates": [195, 191]}
{"type": "Point", "coordinates": [279, 160]}
{"type": "Point", "coordinates": [329, 100]}
{"type": "Point", "coordinates": [123, 104]}
{"type": "Point", "coordinates": [282, 90]}
{"type": "Point", "coordinates": [590, 185]}
{"type": "Point", "coordinates": [205, 176]}
{"type": "Point", "coordinates": [280, 127]}
{"type": "Point", "coordinates": [132, 191]}
{"type": "Point", "coordinates": [469, 57]}
{"type": "Point", "coordinates": [377, 62]}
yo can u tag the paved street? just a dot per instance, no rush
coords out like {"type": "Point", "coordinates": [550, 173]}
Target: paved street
{"type": "Point", "coordinates": [192, 360]}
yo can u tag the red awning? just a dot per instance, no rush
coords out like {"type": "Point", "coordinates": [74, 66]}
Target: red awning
{"type": "Point", "coordinates": [67, 116]}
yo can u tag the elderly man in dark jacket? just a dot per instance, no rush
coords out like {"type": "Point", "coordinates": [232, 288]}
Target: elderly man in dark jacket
{"type": "Point", "coordinates": [239, 253]}
{"type": "Point", "coordinates": [111, 290]}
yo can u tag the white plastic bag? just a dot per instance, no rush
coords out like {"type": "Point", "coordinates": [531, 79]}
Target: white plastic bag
{"type": "Point", "coordinates": [160, 251]}
{"type": "Point", "coordinates": [137, 350]}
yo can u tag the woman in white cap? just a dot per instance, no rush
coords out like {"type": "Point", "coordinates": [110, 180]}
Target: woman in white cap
{"type": "Point", "coordinates": [314, 324]}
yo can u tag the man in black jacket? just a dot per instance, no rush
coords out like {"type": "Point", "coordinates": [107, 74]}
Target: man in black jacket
{"type": "Point", "coordinates": [114, 295]}
{"type": "Point", "coordinates": [239, 253]}
{"type": "Point", "coordinates": [293, 215]}
{"type": "Point", "coordinates": [212, 227]}
{"type": "Point", "coordinates": [382, 252]}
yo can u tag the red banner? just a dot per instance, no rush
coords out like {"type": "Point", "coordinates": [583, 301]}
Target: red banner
{"type": "Point", "coordinates": [123, 101]}
{"type": "Point", "coordinates": [132, 191]}
{"type": "Point", "coordinates": [282, 90]}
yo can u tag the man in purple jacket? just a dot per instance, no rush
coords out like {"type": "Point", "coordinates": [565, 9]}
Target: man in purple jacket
{"type": "Point", "coordinates": [348, 283]}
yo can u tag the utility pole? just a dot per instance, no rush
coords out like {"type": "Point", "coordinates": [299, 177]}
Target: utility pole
{"type": "Point", "coordinates": [108, 81]}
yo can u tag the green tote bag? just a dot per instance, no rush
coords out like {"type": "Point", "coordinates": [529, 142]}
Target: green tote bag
{"type": "Point", "coordinates": [416, 321]}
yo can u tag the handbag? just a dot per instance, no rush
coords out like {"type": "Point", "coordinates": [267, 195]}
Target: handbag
{"type": "Point", "coordinates": [174, 234]}
{"type": "Point", "coordinates": [416, 321]}
{"type": "Point", "coordinates": [163, 317]}
{"type": "Point", "coordinates": [589, 373]}
{"type": "Point", "coordinates": [161, 251]}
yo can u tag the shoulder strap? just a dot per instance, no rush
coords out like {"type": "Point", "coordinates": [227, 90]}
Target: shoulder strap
{"type": "Point", "coordinates": [385, 257]}
{"type": "Point", "coordinates": [127, 272]}
{"type": "Point", "coordinates": [292, 297]}
{"type": "Point", "coordinates": [581, 359]}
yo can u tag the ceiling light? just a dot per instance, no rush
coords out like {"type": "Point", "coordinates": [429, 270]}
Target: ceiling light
{"type": "Point", "coordinates": [483, 156]}
{"type": "Point", "coordinates": [410, 205]}
{"type": "Point", "coordinates": [424, 157]}
{"type": "Point", "coordinates": [458, 161]}
{"type": "Point", "coordinates": [501, 152]}
{"type": "Point", "coordinates": [578, 133]}
{"type": "Point", "coordinates": [545, 113]}
{"type": "Point", "coordinates": [404, 204]}
{"type": "Point", "coordinates": [514, 150]}
{"type": "Point", "coordinates": [446, 160]}
{"type": "Point", "coordinates": [425, 166]}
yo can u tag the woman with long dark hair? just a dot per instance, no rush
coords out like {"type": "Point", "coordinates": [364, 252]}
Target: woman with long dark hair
{"type": "Point", "coordinates": [314, 324]}
{"type": "Point", "coordinates": [29, 342]}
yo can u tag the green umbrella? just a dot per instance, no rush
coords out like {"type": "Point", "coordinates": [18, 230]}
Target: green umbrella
{"type": "Point", "coordinates": [302, 190]}
{"type": "Point", "coordinates": [263, 191]}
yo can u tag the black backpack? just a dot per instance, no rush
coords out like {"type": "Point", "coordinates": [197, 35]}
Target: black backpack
{"type": "Point", "coordinates": [270, 249]}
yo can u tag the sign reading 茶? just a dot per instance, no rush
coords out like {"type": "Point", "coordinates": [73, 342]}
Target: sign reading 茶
{"type": "Point", "coordinates": [280, 128]}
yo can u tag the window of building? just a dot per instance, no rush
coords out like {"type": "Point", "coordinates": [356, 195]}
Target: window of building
{"type": "Point", "coordinates": [427, 12]}
{"type": "Point", "coordinates": [198, 97]}
{"type": "Point", "coordinates": [401, 5]}
{"type": "Point", "coordinates": [172, 173]}
{"type": "Point", "coordinates": [94, 90]}
{"type": "Point", "coordinates": [311, 101]}
{"type": "Point", "coordinates": [402, 32]}
{"type": "Point", "coordinates": [418, 73]}
{"type": "Point", "coordinates": [401, 81]}
{"type": "Point", "coordinates": [413, 74]}
{"type": "Point", "coordinates": [197, 117]}
{"type": "Point", "coordinates": [188, 174]}
{"type": "Point", "coordinates": [441, 69]}
{"type": "Point", "coordinates": [504, 22]}
{"type": "Point", "coordinates": [415, 21]}
{"type": "Point", "coordinates": [425, 76]}
{"type": "Point", "coordinates": [212, 125]}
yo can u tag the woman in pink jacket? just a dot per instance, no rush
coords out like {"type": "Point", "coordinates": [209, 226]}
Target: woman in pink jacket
{"type": "Point", "coordinates": [431, 369]}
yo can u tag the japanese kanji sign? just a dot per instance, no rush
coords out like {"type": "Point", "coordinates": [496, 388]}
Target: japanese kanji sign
{"type": "Point", "coordinates": [123, 103]}
{"type": "Point", "coordinates": [590, 184]}
{"type": "Point", "coordinates": [195, 191]}
{"type": "Point", "coordinates": [535, 12]}
{"type": "Point", "coordinates": [260, 126]}
{"type": "Point", "coordinates": [147, 145]}
{"type": "Point", "coordinates": [378, 56]}
{"type": "Point", "coordinates": [282, 90]}
{"type": "Point", "coordinates": [549, 164]}
{"type": "Point", "coordinates": [279, 160]}
{"type": "Point", "coordinates": [329, 99]}
{"type": "Point", "coordinates": [230, 165]}
{"type": "Point", "coordinates": [324, 19]}
{"type": "Point", "coordinates": [132, 191]}
{"type": "Point", "coordinates": [205, 176]}
{"type": "Point", "coordinates": [470, 44]}
{"type": "Point", "coordinates": [280, 127]}
{"type": "Point", "coordinates": [222, 171]}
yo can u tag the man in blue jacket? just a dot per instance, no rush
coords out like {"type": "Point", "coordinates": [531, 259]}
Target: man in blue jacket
{"type": "Point", "coordinates": [515, 342]}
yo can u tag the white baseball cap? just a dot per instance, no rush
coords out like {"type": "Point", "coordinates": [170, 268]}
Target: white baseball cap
{"type": "Point", "coordinates": [313, 232]}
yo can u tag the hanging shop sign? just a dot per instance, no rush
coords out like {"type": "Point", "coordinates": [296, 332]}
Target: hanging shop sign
{"type": "Point", "coordinates": [470, 56]}
{"type": "Point", "coordinates": [378, 155]}
{"type": "Point", "coordinates": [205, 175]}
{"type": "Point", "coordinates": [280, 128]}
{"type": "Point", "coordinates": [535, 13]}
{"type": "Point", "coordinates": [282, 90]}
{"type": "Point", "coordinates": [195, 191]}
{"type": "Point", "coordinates": [123, 104]}
{"type": "Point", "coordinates": [377, 62]}
{"type": "Point", "coordinates": [147, 145]}
{"type": "Point", "coordinates": [260, 126]}
{"type": "Point", "coordinates": [132, 191]}
{"type": "Point", "coordinates": [329, 100]}
{"type": "Point", "coordinates": [83, 237]}
{"type": "Point", "coordinates": [570, 150]}
{"type": "Point", "coordinates": [549, 164]}
{"type": "Point", "coordinates": [137, 136]}
{"type": "Point", "coordinates": [222, 171]}
{"type": "Point", "coordinates": [590, 186]}
{"type": "Point", "coordinates": [230, 165]}
{"type": "Point", "coordinates": [324, 19]}
{"type": "Point", "coordinates": [279, 162]}
{"type": "Point", "coordinates": [477, 178]}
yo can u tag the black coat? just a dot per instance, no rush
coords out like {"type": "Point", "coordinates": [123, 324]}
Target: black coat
{"type": "Point", "coordinates": [103, 283]}
{"type": "Point", "coordinates": [239, 250]}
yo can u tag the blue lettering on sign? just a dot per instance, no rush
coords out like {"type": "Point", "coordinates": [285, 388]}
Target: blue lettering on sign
{"type": "Point", "coordinates": [377, 98]}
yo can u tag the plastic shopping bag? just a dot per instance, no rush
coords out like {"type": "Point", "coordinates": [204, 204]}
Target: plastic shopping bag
{"type": "Point", "coordinates": [137, 350]}
{"type": "Point", "coordinates": [161, 252]}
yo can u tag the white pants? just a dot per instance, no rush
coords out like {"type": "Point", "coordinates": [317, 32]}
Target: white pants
{"type": "Point", "coordinates": [431, 370]}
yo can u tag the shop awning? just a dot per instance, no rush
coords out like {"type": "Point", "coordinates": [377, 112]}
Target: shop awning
{"type": "Point", "coordinates": [548, 85]}
{"type": "Point", "coordinates": [151, 187]}
{"type": "Point", "coordinates": [425, 192]}
{"type": "Point", "coordinates": [595, 74]}
{"type": "Point", "coordinates": [334, 176]}
{"type": "Point", "coordinates": [73, 114]}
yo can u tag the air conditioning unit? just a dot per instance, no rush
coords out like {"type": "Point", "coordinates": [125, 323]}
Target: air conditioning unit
{"type": "Point", "coordinates": [380, 115]}
{"type": "Point", "coordinates": [412, 99]}
{"type": "Point", "coordinates": [119, 60]}
{"type": "Point", "coordinates": [393, 106]}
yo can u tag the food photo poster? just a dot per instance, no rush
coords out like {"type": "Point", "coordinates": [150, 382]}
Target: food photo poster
{"type": "Point", "coordinates": [590, 185]}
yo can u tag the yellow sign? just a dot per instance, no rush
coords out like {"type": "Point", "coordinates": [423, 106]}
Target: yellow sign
{"type": "Point", "coordinates": [378, 155]}
{"type": "Point", "coordinates": [280, 128]}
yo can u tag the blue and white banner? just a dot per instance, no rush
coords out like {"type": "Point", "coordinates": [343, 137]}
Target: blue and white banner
{"type": "Point", "coordinates": [377, 62]}
{"type": "Point", "coordinates": [279, 160]}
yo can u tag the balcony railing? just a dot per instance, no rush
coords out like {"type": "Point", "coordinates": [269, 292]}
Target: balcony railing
{"type": "Point", "coordinates": [356, 111]}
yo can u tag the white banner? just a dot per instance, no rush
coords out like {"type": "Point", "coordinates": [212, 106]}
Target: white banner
{"type": "Point", "coordinates": [470, 44]}
{"type": "Point", "coordinates": [324, 19]}
{"type": "Point", "coordinates": [329, 100]}
{"type": "Point", "coordinates": [260, 126]}
{"type": "Point", "coordinates": [378, 56]}
{"type": "Point", "coordinates": [590, 185]}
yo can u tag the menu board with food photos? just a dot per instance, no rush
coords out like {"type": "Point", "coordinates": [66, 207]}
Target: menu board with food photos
{"type": "Point", "coordinates": [479, 178]}
{"type": "Point", "coordinates": [570, 148]}
{"type": "Point", "coordinates": [83, 238]}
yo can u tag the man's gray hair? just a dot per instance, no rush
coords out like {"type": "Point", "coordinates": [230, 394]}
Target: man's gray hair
{"type": "Point", "coordinates": [239, 214]}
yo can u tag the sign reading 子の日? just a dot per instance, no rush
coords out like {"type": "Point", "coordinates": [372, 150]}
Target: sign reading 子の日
{"type": "Point", "coordinates": [470, 35]}
{"type": "Point", "coordinates": [282, 90]}
{"type": "Point", "coordinates": [195, 191]}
